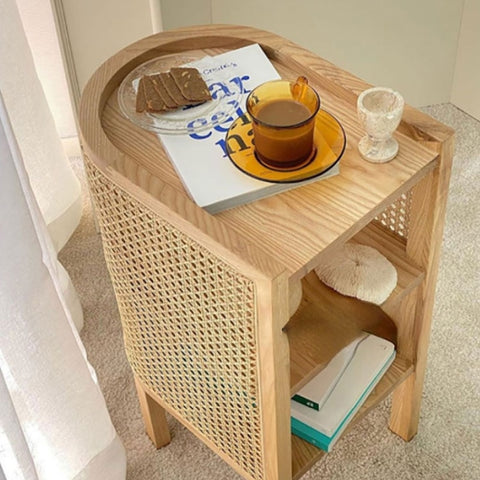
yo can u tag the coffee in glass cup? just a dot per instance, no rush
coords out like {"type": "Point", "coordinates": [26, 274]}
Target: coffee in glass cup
{"type": "Point", "coordinates": [283, 117]}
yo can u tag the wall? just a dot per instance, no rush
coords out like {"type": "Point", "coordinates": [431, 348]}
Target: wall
{"type": "Point", "coordinates": [179, 13]}
{"type": "Point", "coordinates": [98, 29]}
{"type": "Point", "coordinates": [37, 19]}
{"type": "Point", "coordinates": [466, 85]}
{"type": "Point", "coordinates": [409, 45]}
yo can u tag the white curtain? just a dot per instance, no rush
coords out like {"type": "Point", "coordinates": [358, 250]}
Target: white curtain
{"type": "Point", "coordinates": [54, 423]}
{"type": "Point", "coordinates": [54, 184]}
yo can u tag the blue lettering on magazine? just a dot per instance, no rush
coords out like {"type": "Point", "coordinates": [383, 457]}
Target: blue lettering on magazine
{"type": "Point", "coordinates": [221, 119]}
{"type": "Point", "coordinates": [235, 142]}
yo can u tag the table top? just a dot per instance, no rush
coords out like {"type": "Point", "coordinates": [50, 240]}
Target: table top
{"type": "Point", "coordinates": [295, 227]}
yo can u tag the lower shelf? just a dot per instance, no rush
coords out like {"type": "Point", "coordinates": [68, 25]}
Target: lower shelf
{"type": "Point", "coordinates": [324, 323]}
{"type": "Point", "coordinates": [304, 454]}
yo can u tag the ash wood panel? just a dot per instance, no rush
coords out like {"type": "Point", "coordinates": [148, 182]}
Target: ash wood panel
{"type": "Point", "coordinates": [327, 206]}
{"type": "Point", "coordinates": [404, 317]}
{"type": "Point", "coordinates": [427, 220]}
{"type": "Point", "coordinates": [335, 209]}
{"type": "Point", "coordinates": [144, 166]}
{"type": "Point", "coordinates": [326, 322]}
{"type": "Point", "coordinates": [273, 373]}
{"type": "Point", "coordinates": [210, 233]}
{"type": "Point", "coordinates": [170, 201]}
{"type": "Point", "coordinates": [305, 455]}
{"type": "Point", "coordinates": [409, 275]}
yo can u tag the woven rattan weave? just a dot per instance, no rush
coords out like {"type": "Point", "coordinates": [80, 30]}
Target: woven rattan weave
{"type": "Point", "coordinates": [396, 217]}
{"type": "Point", "coordinates": [169, 291]}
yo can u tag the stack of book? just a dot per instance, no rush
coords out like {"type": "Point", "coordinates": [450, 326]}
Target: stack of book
{"type": "Point", "coordinates": [323, 408]}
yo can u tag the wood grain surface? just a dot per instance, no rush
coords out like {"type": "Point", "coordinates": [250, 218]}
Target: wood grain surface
{"type": "Point", "coordinates": [303, 223]}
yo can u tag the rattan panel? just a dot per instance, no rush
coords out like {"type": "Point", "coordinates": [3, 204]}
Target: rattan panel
{"type": "Point", "coordinates": [188, 321]}
{"type": "Point", "coordinates": [396, 217]}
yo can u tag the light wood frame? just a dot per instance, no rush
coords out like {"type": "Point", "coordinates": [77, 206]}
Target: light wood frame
{"type": "Point", "coordinates": [303, 224]}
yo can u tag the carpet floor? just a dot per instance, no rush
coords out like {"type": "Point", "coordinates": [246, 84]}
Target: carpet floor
{"type": "Point", "coordinates": [448, 443]}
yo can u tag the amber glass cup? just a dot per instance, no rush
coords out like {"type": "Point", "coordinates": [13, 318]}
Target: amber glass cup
{"type": "Point", "coordinates": [283, 117]}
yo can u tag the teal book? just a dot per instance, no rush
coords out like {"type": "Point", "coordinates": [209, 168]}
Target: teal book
{"type": "Point", "coordinates": [371, 359]}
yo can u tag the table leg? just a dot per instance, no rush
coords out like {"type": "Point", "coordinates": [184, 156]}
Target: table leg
{"type": "Point", "coordinates": [423, 246]}
{"type": "Point", "coordinates": [153, 417]}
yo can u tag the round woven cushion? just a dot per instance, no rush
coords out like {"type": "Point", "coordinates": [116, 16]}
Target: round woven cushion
{"type": "Point", "coordinates": [359, 271]}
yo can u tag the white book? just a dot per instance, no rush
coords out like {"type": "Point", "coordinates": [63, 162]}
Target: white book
{"type": "Point", "coordinates": [372, 357]}
{"type": "Point", "coordinates": [316, 392]}
{"type": "Point", "coordinates": [200, 159]}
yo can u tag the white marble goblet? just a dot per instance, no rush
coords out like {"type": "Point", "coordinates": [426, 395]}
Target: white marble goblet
{"type": "Point", "coordinates": [380, 111]}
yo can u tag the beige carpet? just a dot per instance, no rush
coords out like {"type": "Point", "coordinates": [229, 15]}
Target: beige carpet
{"type": "Point", "coordinates": [448, 444]}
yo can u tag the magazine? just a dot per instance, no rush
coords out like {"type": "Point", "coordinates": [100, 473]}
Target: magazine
{"type": "Point", "coordinates": [201, 159]}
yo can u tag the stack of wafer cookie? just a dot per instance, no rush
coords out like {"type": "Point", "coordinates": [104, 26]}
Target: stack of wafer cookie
{"type": "Point", "coordinates": [167, 91]}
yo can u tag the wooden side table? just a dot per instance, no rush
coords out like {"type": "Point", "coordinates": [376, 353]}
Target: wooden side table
{"type": "Point", "coordinates": [204, 300]}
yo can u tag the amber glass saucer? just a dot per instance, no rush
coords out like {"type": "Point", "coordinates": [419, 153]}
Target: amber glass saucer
{"type": "Point", "coordinates": [329, 139]}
